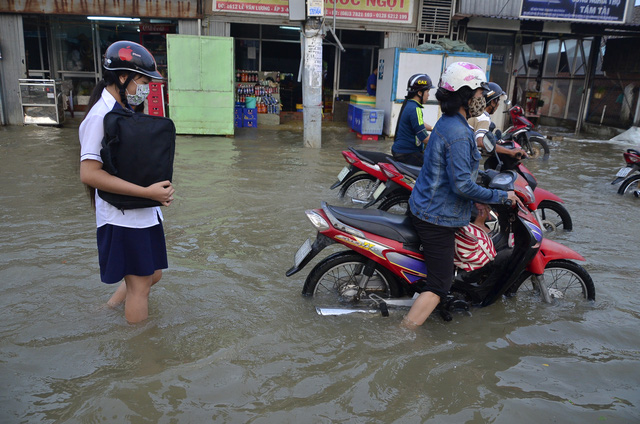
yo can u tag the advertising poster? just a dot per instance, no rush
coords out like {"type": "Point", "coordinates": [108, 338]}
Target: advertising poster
{"type": "Point", "coordinates": [575, 10]}
{"type": "Point", "coordinates": [393, 11]}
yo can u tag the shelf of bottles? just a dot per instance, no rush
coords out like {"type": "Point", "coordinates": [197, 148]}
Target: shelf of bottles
{"type": "Point", "coordinates": [264, 86]}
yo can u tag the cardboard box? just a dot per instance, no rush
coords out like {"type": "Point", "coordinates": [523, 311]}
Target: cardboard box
{"type": "Point", "coordinates": [361, 99]}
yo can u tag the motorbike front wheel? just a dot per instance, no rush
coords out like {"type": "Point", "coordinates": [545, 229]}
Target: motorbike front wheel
{"type": "Point", "coordinates": [564, 280]}
{"type": "Point", "coordinates": [554, 216]}
{"type": "Point", "coordinates": [630, 186]}
{"type": "Point", "coordinates": [398, 204]}
{"type": "Point", "coordinates": [359, 188]}
{"type": "Point", "coordinates": [338, 276]}
{"type": "Point", "coordinates": [535, 146]}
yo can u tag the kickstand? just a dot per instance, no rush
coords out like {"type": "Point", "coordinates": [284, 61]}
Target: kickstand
{"type": "Point", "coordinates": [384, 309]}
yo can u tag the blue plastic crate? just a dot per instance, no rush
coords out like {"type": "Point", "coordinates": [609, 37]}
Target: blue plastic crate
{"type": "Point", "coordinates": [250, 113]}
{"type": "Point", "coordinates": [367, 120]}
{"type": "Point", "coordinates": [250, 123]}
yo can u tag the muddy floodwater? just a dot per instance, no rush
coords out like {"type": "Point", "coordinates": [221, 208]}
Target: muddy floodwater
{"type": "Point", "coordinates": [230, 339]}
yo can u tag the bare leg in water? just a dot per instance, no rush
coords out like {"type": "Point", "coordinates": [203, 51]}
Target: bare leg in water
{"type": "Point", "coordinates": [121, 292]}
{"type": "Point", "coordinates": [420, 310]}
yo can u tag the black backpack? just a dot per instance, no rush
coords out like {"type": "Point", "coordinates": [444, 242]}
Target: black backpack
{"type": "Point", "coordinates": [138, 148]}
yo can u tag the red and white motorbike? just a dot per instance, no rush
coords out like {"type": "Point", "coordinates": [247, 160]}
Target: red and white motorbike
{"type": "Point", "coordinates": [383, 264]}
{"type": "Point", "coordinates": [628, 174]}
{"type": "Point", "coordinates": [521, 131]}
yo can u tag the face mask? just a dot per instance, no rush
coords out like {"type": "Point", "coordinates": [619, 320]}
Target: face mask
{"type": "Point", "coordinates": [142, 91]}
{"type": "Point", "coordinates": [476, 106]}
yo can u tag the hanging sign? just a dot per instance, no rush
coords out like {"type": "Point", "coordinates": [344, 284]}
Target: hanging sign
{"type": "Point", "coordinates": [575, 10]}
{"type": "Point", "coordinates": [392, 11]}
{"type": "Point", "coordinates": [315, 8]}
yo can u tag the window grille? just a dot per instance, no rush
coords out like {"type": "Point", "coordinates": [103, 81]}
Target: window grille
{"type": "Point", "coordinates": [435, 16]}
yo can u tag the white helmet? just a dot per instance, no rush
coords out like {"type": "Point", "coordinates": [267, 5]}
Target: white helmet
{"type": "Point", "coordinates": [460, 74]}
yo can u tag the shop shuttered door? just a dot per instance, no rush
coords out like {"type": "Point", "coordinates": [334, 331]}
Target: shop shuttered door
{"type": "Point", "coordinates": [201, 96]}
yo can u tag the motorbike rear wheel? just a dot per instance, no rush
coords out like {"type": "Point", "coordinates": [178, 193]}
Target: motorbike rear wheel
{"type": "Point", "coordinates": [337, 277]}
{"type": "Point", "coordinates": [398, 204]}
{"type": "Point", "coordinates": [554, 216]}
{"type": "Point", "coordinates": [630, 186]}
{"type": "Point", "coordinates": [564, 280]}
{"type": "Point", "coordinates": [359, 188]}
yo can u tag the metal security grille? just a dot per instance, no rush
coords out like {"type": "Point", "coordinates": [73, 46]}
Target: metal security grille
{"type": "Point", "coordinates": [435, 16]}
{"type": "Point", "coordinates": [458, 32]}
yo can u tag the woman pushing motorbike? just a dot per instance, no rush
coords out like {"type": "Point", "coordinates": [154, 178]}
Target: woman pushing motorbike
{"type": "Point", "coordinates": [446, 188]}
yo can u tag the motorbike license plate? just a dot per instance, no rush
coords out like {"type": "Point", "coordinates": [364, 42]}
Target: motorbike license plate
{"type": "Point", "coordinates": [623, 172]}
{"type": "Point", "coordinates": [343, 173]}
{"type": "Point", "coordinates": [379, 191]}
{"type": "Point", "coordinates": [302, 252]}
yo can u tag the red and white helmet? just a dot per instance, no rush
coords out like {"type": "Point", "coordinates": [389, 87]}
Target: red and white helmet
{"type": "Point", "coordinates": [461, 74]}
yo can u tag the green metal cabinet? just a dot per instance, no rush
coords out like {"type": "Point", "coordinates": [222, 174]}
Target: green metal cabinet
{"type": "Point", "coordinates": [201, 83]}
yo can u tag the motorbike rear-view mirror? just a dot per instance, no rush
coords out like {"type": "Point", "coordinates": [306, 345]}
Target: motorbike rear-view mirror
{"type": "Point", "coordinates": [489, 142]}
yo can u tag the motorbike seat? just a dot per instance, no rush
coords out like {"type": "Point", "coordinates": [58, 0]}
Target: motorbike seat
{"type": "Point", "coordinates": [369, 156]}
{"type": "Point", "coordinates": [410, 170]}
{"type": "Point", "coordinates": [385, 224]}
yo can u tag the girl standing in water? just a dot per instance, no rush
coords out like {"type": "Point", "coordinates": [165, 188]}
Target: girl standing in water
{"type": "Point", "coordinates": [131, 242]}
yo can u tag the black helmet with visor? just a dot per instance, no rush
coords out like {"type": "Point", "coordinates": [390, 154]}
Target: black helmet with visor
{"type": "Point", "coordinates": [492, 91]}
{"type": "Point", "coordinates": [419, 82]}
{"type": "Point", "coordinates": [130, 56]}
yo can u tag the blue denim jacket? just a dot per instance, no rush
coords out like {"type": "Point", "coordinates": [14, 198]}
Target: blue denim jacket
{"type": "Point", "coordinates": [446, 187]}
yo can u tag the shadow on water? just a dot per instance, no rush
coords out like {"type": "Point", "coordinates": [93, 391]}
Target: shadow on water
{"type": "Point", "coordinates": [230, 338]}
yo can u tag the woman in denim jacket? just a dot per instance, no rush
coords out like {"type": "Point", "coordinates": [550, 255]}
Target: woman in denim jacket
{"type": "Point", "coordinates": [446, 188]}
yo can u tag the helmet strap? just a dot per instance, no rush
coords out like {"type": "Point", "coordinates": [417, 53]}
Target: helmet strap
{"type": "Point", "coordinates": [123, 88]}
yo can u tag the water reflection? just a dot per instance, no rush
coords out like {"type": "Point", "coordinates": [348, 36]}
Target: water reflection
{"type": "Point", "coordinates": [230, 339]}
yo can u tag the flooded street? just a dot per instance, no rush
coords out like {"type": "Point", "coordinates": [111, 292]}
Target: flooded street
{"type": "Point", "coordinates": [230, 339]}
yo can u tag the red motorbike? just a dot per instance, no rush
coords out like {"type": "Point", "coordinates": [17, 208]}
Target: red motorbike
{"type": "Point", "coordinates": [402, 177]}
{"type": "Point", "coordinates": [521, 131]}
{"type": "Point", "coordinates": [627, 174]}
{"type": "Point", "coordinates": [383, 263]}
{"type": "Point", "coordinates": [362, 175]}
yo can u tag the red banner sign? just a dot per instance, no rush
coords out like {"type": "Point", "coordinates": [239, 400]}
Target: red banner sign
{"type": "Point", "coordinates": [397, 11]}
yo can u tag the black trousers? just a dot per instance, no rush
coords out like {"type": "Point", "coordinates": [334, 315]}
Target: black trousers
{"type": "Point", "coordinates": [415, 158]}
{"type": "Point", "coordinates": [438, 244]}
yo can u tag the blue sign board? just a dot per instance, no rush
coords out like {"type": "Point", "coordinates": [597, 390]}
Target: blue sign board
{"type": "Point", "coordinates": [575, 10]}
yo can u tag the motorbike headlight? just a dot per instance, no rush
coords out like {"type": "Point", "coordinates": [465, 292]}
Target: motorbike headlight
{"type": "Point", "coordinates": [317, 220]}
{"type": "Point", "coordinates": [531, 195]}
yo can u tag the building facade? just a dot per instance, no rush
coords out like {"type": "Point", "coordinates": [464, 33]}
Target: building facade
{"type": "Point", "coordinates": [564, 65]}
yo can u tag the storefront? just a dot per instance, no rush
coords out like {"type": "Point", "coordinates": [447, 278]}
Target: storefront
{"type": "Point", "coordinates": [272, 43]}
{"type": "Point", "coordinates": [70, 48]}
{"type": "Point", "coordinates": [65, 42]}
{"type": "Point", "coordinates": [564, 66]}
{"type": "Point", "coordinates": [276, 48]}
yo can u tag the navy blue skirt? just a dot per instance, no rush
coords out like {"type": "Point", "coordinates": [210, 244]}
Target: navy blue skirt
{"type": "Point", "coordinates": [130, 251]}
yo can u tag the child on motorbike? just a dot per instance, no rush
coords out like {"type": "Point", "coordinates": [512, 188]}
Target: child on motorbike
{"type": "Point", "coordinates": [475, 254]}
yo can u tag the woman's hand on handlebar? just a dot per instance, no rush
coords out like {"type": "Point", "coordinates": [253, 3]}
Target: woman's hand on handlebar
{"type": "Point", "coordinates": [518, 153]}
{"type": "Point", "coordinates": [512, 199]}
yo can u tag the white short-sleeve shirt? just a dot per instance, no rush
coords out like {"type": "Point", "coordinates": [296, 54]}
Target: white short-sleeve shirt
{"type": "Point", "coordinates": [481, 124]}
{"type": "Point", "coordinates": [91, 133]}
